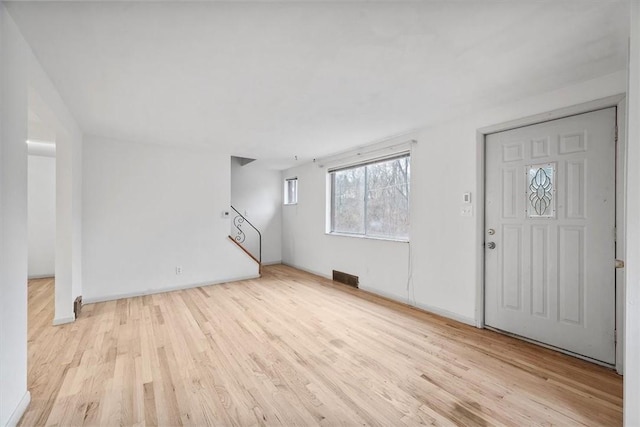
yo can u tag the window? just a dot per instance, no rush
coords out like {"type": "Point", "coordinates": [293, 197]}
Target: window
{"type": "Point", "coordinates": [372, 199]}
{"type": "Point", "coordinates": [540, 191]}
{"type": "Point", "coordinates": [291, 191]}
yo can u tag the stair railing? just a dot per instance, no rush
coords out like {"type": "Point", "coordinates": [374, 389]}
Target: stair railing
{"type": "Point", "coordinates": [238, 233]}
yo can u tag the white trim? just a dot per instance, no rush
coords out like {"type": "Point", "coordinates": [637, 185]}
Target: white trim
{"type": "Point", "coordinates": [114, 297]}
{"type": "Point", "coordinates": [316, 273]}
{"type": "Point", "coordinates": [366, 236]}
{"type": "Point", "coordinates": [64, 320]}
{"type": "Point", "coordinates": [574, 110]}
{"type": "Point", "coordinates": [550, 347]}
{"type": "Point", "coordinates": [41, 148]}
{"type": "Point", "coordinates": [424, 307]}
{"type": "Point", "coordinates": [446, 313]}
{"type": "Point", "coordinates": [42, 276]}
{"type": "Point", "coordinates": [272, 263]}
{"type": "Point", "coordinates": [595, 105]}
{"type": "Point", "coordinates": [480, 224]}
{"type": "Point", "coordinates": [358, 162]}
{"type": "Point", "coordinates": [427, 308]}
{"type": "Point", "coordinates": [364, 154]}
{"type": "Point", "coordinates": [632, 227]}
{"type": "Point", "coordinates": [621, 201]}
{"type": "Point", "coordinates": [17, 414]}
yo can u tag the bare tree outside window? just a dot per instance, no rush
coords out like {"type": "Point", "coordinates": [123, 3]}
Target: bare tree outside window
{"type": "Point", "coordinates": [348, 201]}
{"type": "Point", "coordinates": [372, 199]}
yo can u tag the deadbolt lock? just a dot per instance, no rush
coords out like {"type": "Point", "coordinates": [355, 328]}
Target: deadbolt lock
{"type": "Point", "coordinates": [491, 232]}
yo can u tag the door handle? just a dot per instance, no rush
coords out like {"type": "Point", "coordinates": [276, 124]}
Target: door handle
{"type": "Point", "coordinates": [491, 245]}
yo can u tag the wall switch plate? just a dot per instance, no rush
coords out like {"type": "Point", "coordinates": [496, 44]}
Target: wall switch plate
{"type": "Point", "coordinates": [225, 214]}
{"type": "Point", "coordinates": [466, 197]}
{"type": "Point", "coordinates": [178, 270]}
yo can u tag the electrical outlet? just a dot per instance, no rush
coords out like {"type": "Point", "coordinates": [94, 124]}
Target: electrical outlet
{"type": "Point", "coordinates": [178, 270]}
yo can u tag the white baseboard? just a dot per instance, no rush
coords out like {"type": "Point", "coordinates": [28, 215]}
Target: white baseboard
{"type": "Point", "coordinates": [17, 414]}
{"type": "Point", "coordinates": [42, 276]}
{"type": "Point", "coordinates": [64, 320]}
{"type": "Point", "coordinates": [272, 262]}
{"type": "Point", "coordinates": [104, 298]}
{"type": "Point", "coordinates": [424, 307]}
{"type": "Point", "coordinates": [316, 273]}
{"type": "Point", "coordinates": [435, 310]}
{"type": "Point", "coordinates": [448, 314]}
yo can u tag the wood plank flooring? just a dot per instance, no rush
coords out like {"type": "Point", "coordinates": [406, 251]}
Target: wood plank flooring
{"type": "Point", "coordinates": [295, 349]}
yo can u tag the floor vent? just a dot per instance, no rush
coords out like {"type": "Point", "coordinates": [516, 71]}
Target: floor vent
{"type": "Point", "coordinates": [346, 278]}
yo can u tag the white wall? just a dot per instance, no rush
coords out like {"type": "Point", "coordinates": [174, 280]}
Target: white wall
{"type": "Point", "coordinates": [381, 265]}
{"type": "Point", "coordinates": [632, 312]}
{"type": "Point", "coordinates": [257, 191]}
{"type": "Point", "coordinates": [25, 86]}
{"type": "Point", "coordinates": [444, 250]}
{"type": "Point", "coordinates": [42, 215]}
{"type": "Point", "coordinates": [46, 103]}
{"type": "Point", "coordinates": [13, 220]}
{"type": "Point", "coordinates": [148, 209]}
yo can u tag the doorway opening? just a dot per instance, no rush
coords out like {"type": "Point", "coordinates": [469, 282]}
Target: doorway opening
{"type": "Point", "coordinates": [41, 208]}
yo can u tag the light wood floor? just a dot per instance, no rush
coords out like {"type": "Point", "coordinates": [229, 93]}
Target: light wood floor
{"type": "Point", "coordinates": [294, 349]}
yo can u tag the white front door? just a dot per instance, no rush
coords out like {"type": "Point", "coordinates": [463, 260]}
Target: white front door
{"type": "Point", "coordinates": [549, 237]}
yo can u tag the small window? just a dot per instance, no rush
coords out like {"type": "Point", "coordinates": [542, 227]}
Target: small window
{"type": "Point", "coordinates": [291, 191]}
{"type": "Point", "coordinates": [372, 199]}
{"type": "Point", "coordinates": [540, 191]}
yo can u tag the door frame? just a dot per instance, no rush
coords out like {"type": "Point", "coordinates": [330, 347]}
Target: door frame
{"type": "Point", "coordinates": [619, 102]}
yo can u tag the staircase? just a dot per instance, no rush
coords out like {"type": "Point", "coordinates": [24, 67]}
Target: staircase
{"type": "Point", "coordinates": [247, 237]}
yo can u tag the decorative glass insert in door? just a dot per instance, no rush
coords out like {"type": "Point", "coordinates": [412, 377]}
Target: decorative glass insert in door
{"type": "Point", "coordinates": [541, 191]}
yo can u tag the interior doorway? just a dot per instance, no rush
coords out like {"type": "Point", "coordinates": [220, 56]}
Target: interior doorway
{"type": "Point", "coordinates": [41, 212]}
{"type": "Point", "coordinates": [41, 209]}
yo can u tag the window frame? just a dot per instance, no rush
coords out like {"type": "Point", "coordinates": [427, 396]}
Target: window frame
{"type": "Point", "coordinates": [331, 194]}
{"type": "Point", "coordinates": [285, 199]}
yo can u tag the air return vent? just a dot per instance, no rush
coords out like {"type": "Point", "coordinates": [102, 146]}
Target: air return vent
{"type": "Point", "coordinates": [346, 278]}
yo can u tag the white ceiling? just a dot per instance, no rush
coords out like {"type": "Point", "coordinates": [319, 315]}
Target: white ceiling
{"type": "Point", "coordinates": [277, 80]}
